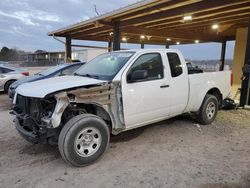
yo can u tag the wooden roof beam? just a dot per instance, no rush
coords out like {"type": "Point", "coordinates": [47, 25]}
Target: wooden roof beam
{"type": "Point", "coordinates": [153, 32]}
{"type": "Point", "coordinates": [206, 4]}
{"type": "Point", "coordinates": [91, 31]}
{"type": "Point", "coordinates": [156, 8]}
{"type": "Point", "coordinates": [134, 41]}
{"type": "Point", "coordinates": [206, 15]}
{"type": "Point", "coordinates": [204, 23]}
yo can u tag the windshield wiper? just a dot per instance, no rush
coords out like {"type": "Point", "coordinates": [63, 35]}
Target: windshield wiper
{"type": "Point", "coordinates": [90, 76]}
{"type": "Point", "coordinates": [75, 74]}
{"type": "Point", "coordinates": [87, 75]}
{"type": "Point", "coordinates": [39, 74]}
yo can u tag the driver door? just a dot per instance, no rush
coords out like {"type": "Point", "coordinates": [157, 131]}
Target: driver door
{"type": "Point", "coordinates": [146, 98]}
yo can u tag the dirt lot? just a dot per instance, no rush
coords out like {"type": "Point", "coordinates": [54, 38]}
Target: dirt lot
{"type": "Point", "coordinates": [174, 153]}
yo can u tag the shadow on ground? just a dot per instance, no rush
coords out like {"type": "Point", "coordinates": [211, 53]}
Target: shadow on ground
{"type": "Point", "coordinates": [5, 101]}
{"type": "Point", "coordinates": [134, 133]}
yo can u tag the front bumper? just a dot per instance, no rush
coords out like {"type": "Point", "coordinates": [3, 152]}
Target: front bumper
{"type": "Point", "coordinates": [28, 112]}
{"type": "Point", "coordinates": [27, 135]}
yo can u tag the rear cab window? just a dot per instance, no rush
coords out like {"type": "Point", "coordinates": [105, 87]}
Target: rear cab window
{"type": "Point", "coordinates": [174, 64]}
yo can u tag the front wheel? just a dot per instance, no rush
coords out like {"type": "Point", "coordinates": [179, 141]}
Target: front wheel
{"type": "Point", "coordinates": [208, 110]}
{"type": "Point", "coordinates": [83, 139]}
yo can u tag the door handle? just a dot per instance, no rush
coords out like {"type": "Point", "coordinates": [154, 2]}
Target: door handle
{"type": "Point", "coordinates": [164, 86]}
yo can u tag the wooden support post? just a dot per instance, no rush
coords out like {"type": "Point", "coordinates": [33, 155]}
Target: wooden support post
{"type": "Point", "coordinates": [245, 86]}
{"type": "Point", "coordinates": [116, 37]}
{"type": "Point", "coordinates": [68, 57]}
{"type": "Point", "coordinates": [223, 53]}
{"type": "Point", "coordinates": [110, 46]}
{"type": "Point", "coordinates": [142, 44]}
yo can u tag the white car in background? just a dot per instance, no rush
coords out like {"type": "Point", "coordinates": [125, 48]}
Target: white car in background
{"type": "Point", "coordinates": [3, 63]}
{"type": "Point", "coordinates": [8, 75]}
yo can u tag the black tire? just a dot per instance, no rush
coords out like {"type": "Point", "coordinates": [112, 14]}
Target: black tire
{"type": "Point", "coordinates": [69, 136]}
{"type": "Point", "coordinates": [7, 85]}
{"type": "Point", "coordinates": [206, 116]}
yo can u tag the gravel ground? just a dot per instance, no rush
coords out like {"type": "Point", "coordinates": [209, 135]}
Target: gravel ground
{"type": "Point", "coordinates": [173, 153]}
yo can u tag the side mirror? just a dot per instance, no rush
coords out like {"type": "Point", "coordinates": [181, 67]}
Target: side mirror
{"type": "Point", "coordinates": [137, 75]}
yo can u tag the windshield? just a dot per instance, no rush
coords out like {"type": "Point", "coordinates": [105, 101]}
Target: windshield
{"type": "Point", "coordinates": [51, 70]}
{"type": "Point", "coordinates": [105, 66]}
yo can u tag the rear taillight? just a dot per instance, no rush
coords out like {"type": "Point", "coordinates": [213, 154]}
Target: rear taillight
{"type": "Point", "coordinates": [25, 73]}
{"type": "Point", "coordinates": [232, 78]}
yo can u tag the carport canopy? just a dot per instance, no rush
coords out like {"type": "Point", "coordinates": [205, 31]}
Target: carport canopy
{"type": "Point", "coordinates": [164, 22]}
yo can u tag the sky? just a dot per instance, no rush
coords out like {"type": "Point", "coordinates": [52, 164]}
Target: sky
{"type": "Point", "coordinates": [24, 25]}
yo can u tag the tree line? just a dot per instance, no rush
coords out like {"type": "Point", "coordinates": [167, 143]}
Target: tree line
{"type": "Point", "coordinates": [7, 54]}
{"type": "Point", "coordinates": [13, 54]}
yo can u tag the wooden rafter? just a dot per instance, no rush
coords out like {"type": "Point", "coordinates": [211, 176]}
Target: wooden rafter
{"type": "Point", "coordinates": [206, 15]}
{"type": "Point", "coordinates": [196, 7]}
{"type": "Point", "coordinates": [164, 18]}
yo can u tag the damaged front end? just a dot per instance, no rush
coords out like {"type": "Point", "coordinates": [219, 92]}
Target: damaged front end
{"type": "Point", "coordinates": [29, 113]}
{"type": "Point", "coordinates": [41, 120]}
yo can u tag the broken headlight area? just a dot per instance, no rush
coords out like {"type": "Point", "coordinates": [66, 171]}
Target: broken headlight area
{"type": "Point", "coordinates": [36, 108]}
{"type": "Point", "coordinates": [30, 113]}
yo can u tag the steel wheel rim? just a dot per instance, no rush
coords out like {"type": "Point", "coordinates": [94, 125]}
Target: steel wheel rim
{"type": "Point", "coordinates": [210, 110]}
{"type": "Point", "coordinates": [87, 141]}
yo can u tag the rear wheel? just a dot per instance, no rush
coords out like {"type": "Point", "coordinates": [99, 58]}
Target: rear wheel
{"type": "Point", "coordinates": [7, 85]}
{"type": "Point", "coordinates": [83, 139]}
{"type": "Point", "coordinates": [208, 110]}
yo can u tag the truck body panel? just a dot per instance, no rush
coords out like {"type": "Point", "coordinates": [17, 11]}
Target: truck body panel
{"type": "Point", "coordinates": [200, 84]}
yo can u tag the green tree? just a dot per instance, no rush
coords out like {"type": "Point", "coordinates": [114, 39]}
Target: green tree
{"type": "Point", "coordinates": [7, 54]}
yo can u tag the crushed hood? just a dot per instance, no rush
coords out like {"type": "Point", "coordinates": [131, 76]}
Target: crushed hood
{"type": "Point", "coordinates": [41, 88]}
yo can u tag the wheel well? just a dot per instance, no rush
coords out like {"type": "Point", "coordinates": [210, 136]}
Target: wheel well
{"type": "Point", "coordinates": [216, 92]}
{"type": "Point", "coordinates": [75, 109]}
{"type": "Point", "coordinates": [13, 80]}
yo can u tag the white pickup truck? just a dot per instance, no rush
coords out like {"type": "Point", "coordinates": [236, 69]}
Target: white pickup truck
{"type": "Point", "coordinates": [114, 92]}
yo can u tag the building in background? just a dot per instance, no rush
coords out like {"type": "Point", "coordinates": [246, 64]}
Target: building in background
{"type": "Point", "coordinates": [83, 55]}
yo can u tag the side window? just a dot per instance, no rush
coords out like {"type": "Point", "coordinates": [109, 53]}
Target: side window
{"type": "Point", "coordinates": [70, 70]}
{"type": "Point", "coordinates": [146, 67]}
{"type": "Point", "coordinates": [7, 70]}
{"type": "Point", "coordinates": [175, 64]}
{"type": "Point", "coordinates": [1, 70]}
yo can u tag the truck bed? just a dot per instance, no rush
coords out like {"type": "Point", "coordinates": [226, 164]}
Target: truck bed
{"type": "Point", "coordinates": [200, 84]}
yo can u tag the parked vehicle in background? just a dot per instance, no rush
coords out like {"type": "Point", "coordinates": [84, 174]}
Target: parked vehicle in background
{"type": "Point", "coordinates": [193, 69]}
{"type": "Point", "coordinates": [114, 92]}
{"type": "Point", "coordinates": [3, 63]}
{"type": "Point", "coordinates": [59, 70]}
{"type": "Point", "coordinates": [8, 75]}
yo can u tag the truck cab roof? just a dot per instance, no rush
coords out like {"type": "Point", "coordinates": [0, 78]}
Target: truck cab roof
{"type": "Point", "coordinates": [149, 50]}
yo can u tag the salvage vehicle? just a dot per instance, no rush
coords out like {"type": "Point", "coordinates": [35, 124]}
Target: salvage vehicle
{"type": "Point", "coordinates": [8, 75]}
{"type": "Point", "coordinates": [115, 92]}
{"type": "Point", "coordinates": [59, 70]}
